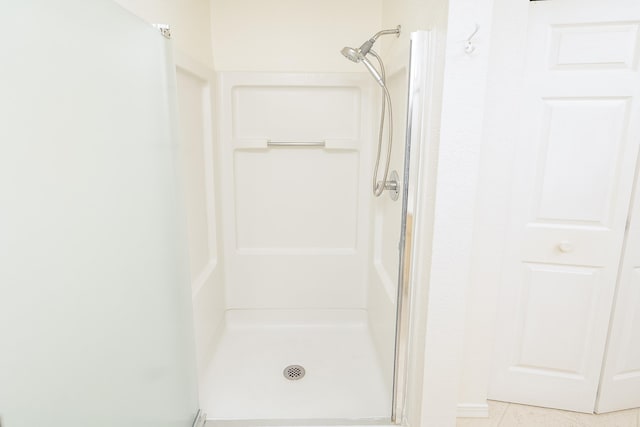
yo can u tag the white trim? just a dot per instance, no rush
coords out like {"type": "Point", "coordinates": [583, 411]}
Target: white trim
{"type": "Point", "coordinates": [473, 410]}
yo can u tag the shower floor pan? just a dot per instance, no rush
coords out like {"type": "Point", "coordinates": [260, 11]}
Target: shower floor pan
{"type": "Point", "coordinates": [342, 380]}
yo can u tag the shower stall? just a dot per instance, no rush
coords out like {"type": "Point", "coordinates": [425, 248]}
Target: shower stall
{"type": "Point", "coordinates": [301, 289]}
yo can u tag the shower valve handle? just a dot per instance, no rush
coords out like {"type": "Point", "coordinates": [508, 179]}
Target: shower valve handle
{"type": "Point", "coordinates": [392, 185]}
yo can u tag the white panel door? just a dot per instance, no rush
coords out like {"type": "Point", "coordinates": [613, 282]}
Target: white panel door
{"type": "Point", "coordinates": [576, 152]}
{"type": "Point", "coordinates": [620, 384]}
{"type": "Point", "coordinates": [295, 153]}
{"type": "Point", "coordinates": [95, 315]}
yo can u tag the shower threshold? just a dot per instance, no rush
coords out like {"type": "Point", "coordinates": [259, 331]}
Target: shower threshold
{"type": "Point", "coordinates": [301, 423]}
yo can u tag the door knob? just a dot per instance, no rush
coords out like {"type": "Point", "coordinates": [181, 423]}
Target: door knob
{"type": "Point", "coordinates": [565, 246]}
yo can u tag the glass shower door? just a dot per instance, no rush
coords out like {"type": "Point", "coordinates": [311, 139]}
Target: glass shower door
{"type": "Point", "coordinates": [95, 317]}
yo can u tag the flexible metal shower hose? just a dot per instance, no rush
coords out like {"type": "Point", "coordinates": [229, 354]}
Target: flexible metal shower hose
{"type": "Point", "coordinates": [378, 188]}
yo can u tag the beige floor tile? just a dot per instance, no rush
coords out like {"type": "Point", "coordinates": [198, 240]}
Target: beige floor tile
{"type": "Point", "coordinates": [497, 409]}
{"type": "Point", "coordinates": [627, 418]}
{"type": "Point", "coordinates": [531, 416]}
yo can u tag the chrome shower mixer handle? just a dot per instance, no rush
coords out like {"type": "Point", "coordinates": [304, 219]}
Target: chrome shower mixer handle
{"type": "Point", "coordinates": [392, 185]}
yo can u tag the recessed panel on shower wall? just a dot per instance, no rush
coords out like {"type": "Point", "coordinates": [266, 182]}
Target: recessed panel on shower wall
{"type": "Point", "coordinates": [315, 218]}
{"type": "Point", "coordinates": [296, 155]}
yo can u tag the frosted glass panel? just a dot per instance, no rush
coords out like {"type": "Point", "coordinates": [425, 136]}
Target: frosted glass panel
{"type": "Point", "coordinates": [95, 321]}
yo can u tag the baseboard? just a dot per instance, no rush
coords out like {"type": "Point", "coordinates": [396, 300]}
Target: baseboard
{"type": "Point", "coordinates": [473, 410]}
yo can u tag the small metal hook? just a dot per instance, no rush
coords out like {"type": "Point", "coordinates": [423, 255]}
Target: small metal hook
{"type": "Point", "coordinates": [469, 47]}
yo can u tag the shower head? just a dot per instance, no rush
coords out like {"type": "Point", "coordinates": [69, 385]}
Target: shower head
{"type": "Point", "coordinates": [356, 55]}
{"type": "Point", "coordinates": [360, 54]}
{"type": "Point", "coordinates": [352, 54]}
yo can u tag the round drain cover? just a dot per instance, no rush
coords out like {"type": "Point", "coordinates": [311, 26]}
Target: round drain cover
{"type": "Point", "coordinates": [293, 372]}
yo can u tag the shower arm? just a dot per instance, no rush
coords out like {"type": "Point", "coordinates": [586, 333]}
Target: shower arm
{"type": "Point", "coordinates": [366, 46]}
{"type": "Point", "coordinates": [395, 31]}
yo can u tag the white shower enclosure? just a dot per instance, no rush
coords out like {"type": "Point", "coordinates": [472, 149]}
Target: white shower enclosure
{"type": "Point", "coordinates": [294, 154]}
{"type": "Point", "coordinates": [148, 205]}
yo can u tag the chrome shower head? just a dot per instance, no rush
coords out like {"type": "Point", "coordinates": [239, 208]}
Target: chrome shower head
{"type": "Point", "coordinates": [356, 55]}
{"type": "Point", "coordinates": [351, 54]}
{"type": "Point", "coordinates": [360, 54]}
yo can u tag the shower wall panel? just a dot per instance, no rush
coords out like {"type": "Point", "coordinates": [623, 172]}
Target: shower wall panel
{"type": "Point", "coordinates": [196, 84]}
{"type": "Point", "coordinates": [295, 151]}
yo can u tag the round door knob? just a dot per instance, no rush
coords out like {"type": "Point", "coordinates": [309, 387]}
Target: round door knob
{"type": "Point", "coordinates": [565, 246]}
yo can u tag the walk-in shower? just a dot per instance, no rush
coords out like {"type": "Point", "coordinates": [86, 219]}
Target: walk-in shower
{"type": "Point", "coordinates": [177, 239]}
{"type": "Point", "coordinates": [360, 55]}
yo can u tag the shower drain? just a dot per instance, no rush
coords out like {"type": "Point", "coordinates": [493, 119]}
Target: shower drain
{"type": "Point", "coordinates": [293, 372]}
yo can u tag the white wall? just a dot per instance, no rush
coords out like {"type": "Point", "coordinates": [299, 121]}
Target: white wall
{"type": "Point", "coordinates": [189, 20]}
{"type": "Point", "coordinates": [460, 141]}
{"type": "Point", "coordinates": [412, 15]}
{"type": "Point", "coordinates": [506, 66]}
{"type": "Point", "coordinates": [290, 35]}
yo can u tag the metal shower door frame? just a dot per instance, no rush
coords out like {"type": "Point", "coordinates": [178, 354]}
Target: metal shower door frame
{"type": "Point", "coordinates": [419, 86]}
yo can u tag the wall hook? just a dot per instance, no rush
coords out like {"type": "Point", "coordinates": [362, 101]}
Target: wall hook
{"type": "Point", "coordinates": [469, 46]}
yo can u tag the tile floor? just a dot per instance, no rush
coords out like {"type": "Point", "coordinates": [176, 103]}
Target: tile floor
{"type": "Point", "coordinates": [503, 414]}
